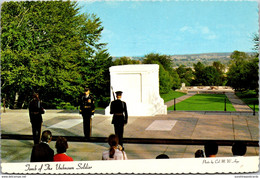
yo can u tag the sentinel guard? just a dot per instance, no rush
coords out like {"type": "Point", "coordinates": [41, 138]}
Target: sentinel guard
{"type": "Point", "coordinates": [87, 109]}
{"type": "Point", "coordinates": [119, 110]}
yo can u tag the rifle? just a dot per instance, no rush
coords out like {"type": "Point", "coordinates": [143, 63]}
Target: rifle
{"type": "Point", "coordinates": [113, 93]}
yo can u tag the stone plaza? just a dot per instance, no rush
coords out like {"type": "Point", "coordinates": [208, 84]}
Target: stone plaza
{"type": "Point", "coordinates": [174, 125]}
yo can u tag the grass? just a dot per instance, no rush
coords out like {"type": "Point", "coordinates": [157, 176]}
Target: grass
{"type": "Point", "coordinates": [171, 95]}
{"type": "Point", "coordinates": [204, 102]}
{"type": "Point", "coordinates": [250, 98]}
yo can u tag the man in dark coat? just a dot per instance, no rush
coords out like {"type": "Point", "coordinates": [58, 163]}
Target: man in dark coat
{"type": "Point", "coordinates": [87, 109]}
{"type": "Point", "coordinates": [211, 149]}
{"type": "Point", "coordinates": [42, 152]}
{"type": "Point", "coordinates": [119, 110]}
{"type": "Point", "coordinates": [35, 113]}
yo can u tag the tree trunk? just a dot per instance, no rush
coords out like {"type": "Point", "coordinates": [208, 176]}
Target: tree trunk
{"type": "Point", "coordinates": [16, 100]}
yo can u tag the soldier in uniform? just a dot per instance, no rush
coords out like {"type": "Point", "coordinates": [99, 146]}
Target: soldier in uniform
{"type": "Point", "coordinates": [87, 109]}
{"type": "Point", "coordinates": [119, 110]}
{"type": "Point", "coordinates": [35, 112]}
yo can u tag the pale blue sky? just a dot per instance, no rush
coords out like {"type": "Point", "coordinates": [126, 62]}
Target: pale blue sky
{"type": "Point", "coordinates": [137, 28]}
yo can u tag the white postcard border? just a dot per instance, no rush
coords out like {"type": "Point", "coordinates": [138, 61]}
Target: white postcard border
{"type": "Point", "coordinates": [220, 165]}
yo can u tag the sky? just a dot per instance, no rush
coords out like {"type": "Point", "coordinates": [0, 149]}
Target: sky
{"type": "Point", "coordinates": [171, 27]}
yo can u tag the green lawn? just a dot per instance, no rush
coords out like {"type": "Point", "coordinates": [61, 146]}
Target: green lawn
{"type": "Point", "coordinates": [250, 98]}
{"type": "Point", "coordinates": [171, 95]}
{"type": "Point", "coordinates": [204, 102]}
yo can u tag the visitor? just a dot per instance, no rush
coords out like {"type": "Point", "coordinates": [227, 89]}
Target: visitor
{"type": "Point", "coordinates": [199, 154]}
{"type": "Point", "coordinates": [162, 156]}
{"type": "Point", "coordinates": [42, 152]}
{"type": "Point", "coordinates": [211, 149]}
{"type": "Point", "coordinates": [115, 151]}
{"type": "Point", "coordinates": [61, 146]}
{"type": "Point", "coordinates": [239, 149]}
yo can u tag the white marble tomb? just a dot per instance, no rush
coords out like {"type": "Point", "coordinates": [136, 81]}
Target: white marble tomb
{"type": "Point", "coordinates": [140, 86]}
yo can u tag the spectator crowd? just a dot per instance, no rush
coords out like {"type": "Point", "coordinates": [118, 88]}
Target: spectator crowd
{"type": "Point", "coordinates": [43, 153]}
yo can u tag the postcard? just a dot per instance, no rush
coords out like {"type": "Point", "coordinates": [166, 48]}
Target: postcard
{"type": "Point", "coordinates": [129, 87]}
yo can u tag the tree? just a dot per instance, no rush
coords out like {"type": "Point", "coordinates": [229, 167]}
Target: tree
{"type": "Point", "coordinates": [208, 75]}
{"type": "Point", "coordinates": [98, 77]}
{"type": "Point", "coordinates": [124, 61]}
{"type": "Point", "coordinates": [198, 74]}
{"type": "Point", "coordinates": [252, 73]}
{"type": "Point", "coordinates": [243, 71]}
{"type": "Point", "coordinates": [48, 47]}
{"type": "Point", "coordinates": [211, 76]}
{"type": "Point", "coordinates": [185, 74]}
{"type": "Point", "coordinates": [235, 74]}
{"type": "Point", "coordinates": [181, 70]}
{"type": "Point", "coordinates": [176, 83]}
{"type": "Point", "coordinates": [165, 80]}
{"type": "Point", "coordinates": [157, 58]}
{"type": "Point", "coordinates": [168, 77]}
{"type": "Point", "coordinates": [221, 71]}
{"type": "Point", "coordinates": [220, 67]}
{"type": "Point", "coordinates": [256, 41]}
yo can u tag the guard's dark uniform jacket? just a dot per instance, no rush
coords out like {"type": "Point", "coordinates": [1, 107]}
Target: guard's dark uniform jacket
{"type": "Point", "coordinates": [119, 110]}
{"type": "Point", "coordinates": [87, 109]}
{"type": "Point", "coordinates": [87, 105]}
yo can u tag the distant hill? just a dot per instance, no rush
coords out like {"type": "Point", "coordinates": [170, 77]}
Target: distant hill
{"type": "Point", "coordinates": [190, 59]}
{"type": "Point", "coordinates": [205, 58]}
{"type": "Point", "coordinates": [209, 55]}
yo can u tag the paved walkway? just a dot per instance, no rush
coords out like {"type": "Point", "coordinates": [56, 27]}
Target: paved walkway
{"type": "Point", "coordinates": [238, 104]}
